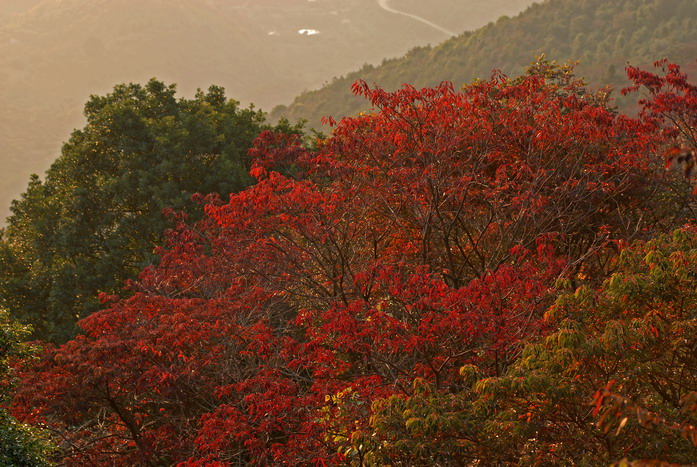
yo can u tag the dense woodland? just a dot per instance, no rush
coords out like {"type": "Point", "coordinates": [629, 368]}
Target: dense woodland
{"type": "Point", "coordinates": [503, 273]}
{"type": "Point", "coordinates": [603, 35]}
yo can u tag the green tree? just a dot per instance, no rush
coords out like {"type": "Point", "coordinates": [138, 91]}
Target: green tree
{"type": "Point", "coordinates": [97, 217]}
{"type": "Point", "coordinates": [636, 337]}
{"type": "Point", "coordinates": [617, 378]}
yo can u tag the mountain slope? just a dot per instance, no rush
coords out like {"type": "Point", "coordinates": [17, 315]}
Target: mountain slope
{"type": "Point", "coordinates": [55, 53]}
{"type": "Point", "coordinates": [603, 35]}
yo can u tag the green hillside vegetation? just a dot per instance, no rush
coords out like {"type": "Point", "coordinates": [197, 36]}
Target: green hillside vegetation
{"type": "Point", "coordinates": [603, 35]}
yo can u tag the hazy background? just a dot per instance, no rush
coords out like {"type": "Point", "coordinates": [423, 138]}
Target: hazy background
{"type": "Point", "coordinates": [55, 53]}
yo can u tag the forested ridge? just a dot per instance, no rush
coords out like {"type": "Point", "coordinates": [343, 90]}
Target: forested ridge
{"type": "Point", "coordinates": [500, 273]}
{"type": "Point", "coordinates": [604, 36]}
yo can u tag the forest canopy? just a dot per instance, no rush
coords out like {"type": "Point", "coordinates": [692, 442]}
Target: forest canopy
{"type": "Point", "coordinates": [451, 279]}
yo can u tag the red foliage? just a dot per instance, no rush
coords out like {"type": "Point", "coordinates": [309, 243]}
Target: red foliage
{"type": "Point", "coordinates": [423, 237]}
{"type": "Point", "coordinates": [670, 101]}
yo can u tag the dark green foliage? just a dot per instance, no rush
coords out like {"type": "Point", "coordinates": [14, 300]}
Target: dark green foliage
{"type": "Point", "coordinates": [603, 35]}
{"type": "Point", "coordinates": [97, 217]}
{"type": "Point", "coordinates": [20, 444]}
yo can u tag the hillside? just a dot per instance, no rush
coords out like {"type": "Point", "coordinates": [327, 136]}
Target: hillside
{"type": "Point", "coordinates": [55, 53]}
{"type": "Point", "coordinates": [603, 35]}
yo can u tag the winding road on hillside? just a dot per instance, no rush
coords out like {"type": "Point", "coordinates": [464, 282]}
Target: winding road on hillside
{"type": "Point", "coordinates": [384, 4]}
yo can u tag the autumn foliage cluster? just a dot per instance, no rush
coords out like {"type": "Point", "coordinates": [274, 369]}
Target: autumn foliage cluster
{"type": "Point", "coordinates": [485, 276]}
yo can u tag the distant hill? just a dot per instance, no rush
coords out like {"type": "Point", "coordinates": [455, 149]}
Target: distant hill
{"type": "Point", "coordinates": [604, 35]}
{"type": "Point", "coordinates": [55, 53]}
